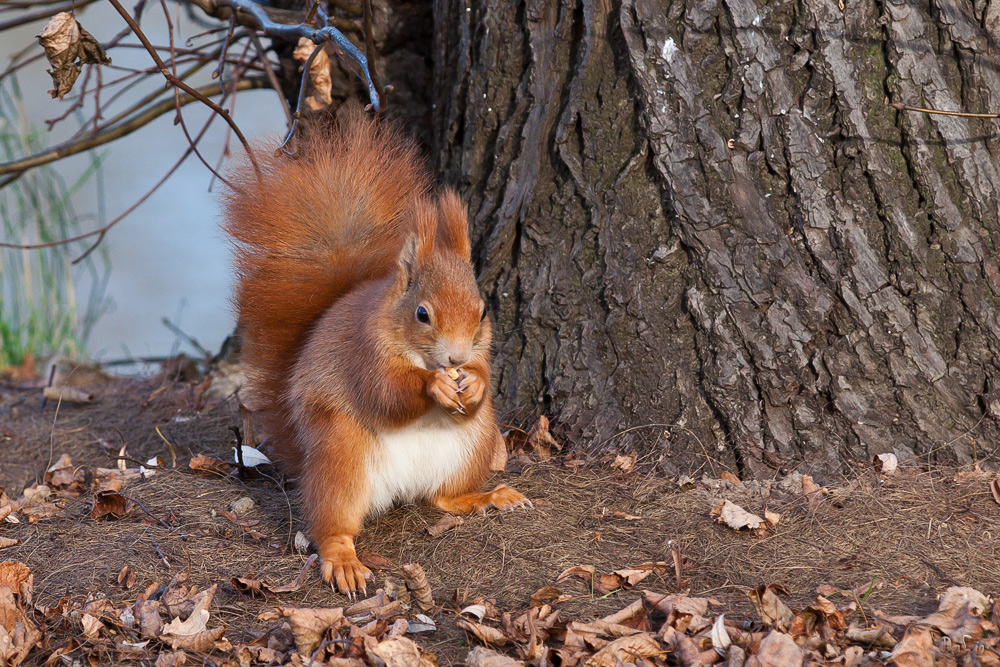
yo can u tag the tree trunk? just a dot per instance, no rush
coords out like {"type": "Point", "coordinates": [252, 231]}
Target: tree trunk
{"type": "Point", "coordinates": [703, 233]}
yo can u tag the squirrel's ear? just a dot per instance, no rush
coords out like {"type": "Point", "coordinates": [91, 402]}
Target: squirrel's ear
{"type": "Point", "coordinates": [453, 224]}
{"type": "Point", "coordinates": [418, 246]}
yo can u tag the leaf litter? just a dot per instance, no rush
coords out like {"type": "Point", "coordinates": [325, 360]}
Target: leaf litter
{"type": "Point", "coordinates": [572, 620]}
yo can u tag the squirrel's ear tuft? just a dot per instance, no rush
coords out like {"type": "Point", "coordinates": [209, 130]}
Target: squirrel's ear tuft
{"type": "Point", "coordinates": [453, 224]}
{"type": "Point", "coordinates": [418, 246]}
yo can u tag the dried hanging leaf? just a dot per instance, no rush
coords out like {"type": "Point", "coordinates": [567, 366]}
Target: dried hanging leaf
{"type": "Point", "coordinates": [447, 522]}
{"type": "Point", "coordinates": [68, 47]}
{"type": "Point", "coordinates": [540, 439]}
{"type": "Point", "coordinates": [416, 582]}
{"type": "Point", "coordinates": [320, 83]}
{"type": "Point", "coordinates": [486, 634]}
{"type": "Point", "coordinates": [736, 517]}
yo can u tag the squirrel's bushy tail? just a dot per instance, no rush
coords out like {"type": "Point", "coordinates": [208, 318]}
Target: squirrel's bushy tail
{"type": "Point", "coordinates": [305, 231]}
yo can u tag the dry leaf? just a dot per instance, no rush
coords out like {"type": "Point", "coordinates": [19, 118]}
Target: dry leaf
{"type": "Point", "coordinates": [67, 394]}
{"type": "Point", "coordinates": [484, 657]}
{"type": "Point", "coordinates": [197, 620]}
{"type": "Point", "coordinates": [812, 491]}
{"type": "Point", "coordinates": [68, 47]}
{"type": "Point", "coordinates": [6, 542]}
{"type": "Point", "coordinates": [772, 518]}
{"type": "Point", "coordinates": [210, 464]}
{"type": "Point", "coordinates": [320, 83]}
{"type": "Point", "coordinates": [730, 477]}
{"type": "Point", "coordinates": [777, 650]}
{"type": "Point", "coordinates": [772, 610]}
{"type": "Point", "coordinates": [915, 649]}
{"type": "Point", "coordinates": [486, 634]}
{"type": "Point", "coordinates": [625, 463]}
{"type": "Point", "coordinates": [540, 439]}
{"type": "Point", "coordinates": [545, 595]}
{"type": "Point", "coordinates": [447, 522]}
{"type": "Point", "coordinates": [308, 625]}
{"type": "Point", "coordinates": [400, 652]}
{"type": "Point", "coordinates": [109, 503]}
{"type": "Point", "coordinates": [960, 614]}
{"type": "Point", "coordinates": [736, 517]}
{"type": "Point", "coordinates": [498, 462]}
{"type": "Point", "coordinates": [416, 582]}
{"type": "Point", "coordinates": [626, 650]}
{"type": "Point", "coordinates": [995, 489]}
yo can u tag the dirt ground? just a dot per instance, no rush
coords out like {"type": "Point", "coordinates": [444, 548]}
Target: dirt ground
{"type": "Point", "coordinates": [901, 540]}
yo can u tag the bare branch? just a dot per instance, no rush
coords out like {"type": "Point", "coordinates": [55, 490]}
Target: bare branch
{"type": "Point", "coordinates": [272, 77]}
{"type": "Point", "coordinates": [252, 15]}
{"type": "Point", "coordinates": [181, 84]}
{"type": "Point", "coordinates": [115, 132]}
{"type": "Point", "coordinates": [48, 12]}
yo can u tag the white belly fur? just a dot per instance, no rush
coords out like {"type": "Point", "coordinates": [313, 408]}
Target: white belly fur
{"type": "Point", "coordinates": [413, 462]}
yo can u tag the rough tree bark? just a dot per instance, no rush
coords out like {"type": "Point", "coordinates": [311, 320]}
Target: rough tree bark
{"type": "Point", "coordinates": [700, 215]}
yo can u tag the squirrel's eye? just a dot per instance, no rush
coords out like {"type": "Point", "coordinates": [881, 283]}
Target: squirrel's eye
{"type": "Point", "coordinates": [422, 315]}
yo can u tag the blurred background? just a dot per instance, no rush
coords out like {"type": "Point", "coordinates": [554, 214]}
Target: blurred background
{"type": "Point", "coordinates": [167, 259]}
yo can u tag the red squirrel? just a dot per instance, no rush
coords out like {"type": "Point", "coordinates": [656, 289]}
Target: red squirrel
{"type": "Point", "coordinates": [365, 337]}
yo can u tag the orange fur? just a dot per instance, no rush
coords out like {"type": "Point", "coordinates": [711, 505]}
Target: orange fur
{"type": "Point", "coordinates": [355, 290]}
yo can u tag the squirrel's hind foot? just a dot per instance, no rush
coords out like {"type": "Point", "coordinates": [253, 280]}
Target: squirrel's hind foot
{"type": "Point", "coordinates": [502, 497]}
{"type": "Point", "coordinates": [341, 567]}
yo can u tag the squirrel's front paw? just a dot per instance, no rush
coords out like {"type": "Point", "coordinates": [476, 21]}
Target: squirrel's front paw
{"type": "Point", "coordinates": [341, 567]}
{"type": "Point", "coordinates": [471, 389]}
{"type": "Point", "coordinates": [444, 391]}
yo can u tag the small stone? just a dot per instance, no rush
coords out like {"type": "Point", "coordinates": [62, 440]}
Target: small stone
{"type": "Point", "coordinates": [242, 506]}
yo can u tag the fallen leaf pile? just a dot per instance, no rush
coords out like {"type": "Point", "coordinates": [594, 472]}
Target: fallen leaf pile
{"type": "Point", "coordinates": [676, 629]}
{"type": "Point", "coordinates": [62, 481]}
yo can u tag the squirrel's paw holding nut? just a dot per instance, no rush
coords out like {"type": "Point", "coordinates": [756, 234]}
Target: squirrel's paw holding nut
{"type": "Point", "coordinates": [342, 569]}
{"type": "Point", "coordinates": [444, 391]}
{"type": "Point", "coordinates": [472, 389]}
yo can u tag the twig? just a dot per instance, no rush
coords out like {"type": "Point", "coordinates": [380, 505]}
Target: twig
{"type": "Point", "coordinates": [903, 107]}
{"type": "Point", "coordinates": [244, 84]}
{"type": "Point", "coordinates": [116, 131]}
{"type": "Point", "coordinates": [271, 76]}
{"type": "Point", "coordinates": [221, 69]}
{"type": "Point", "coordinates": [181, 84]}
{"type": "Point", "coordinates": [302, 95]}
{"type": "Point", "coordinates": [180, 332]}
{"type": "Point", "coordinates": [370, 52]}
{"type": "Point", "coordinates": [256, 16]}
{"type": "Point", "coordinates": [49, 12]}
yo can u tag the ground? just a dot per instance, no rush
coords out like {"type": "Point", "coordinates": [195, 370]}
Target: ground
{"type": "Point", "coordinates": [897, 541]}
